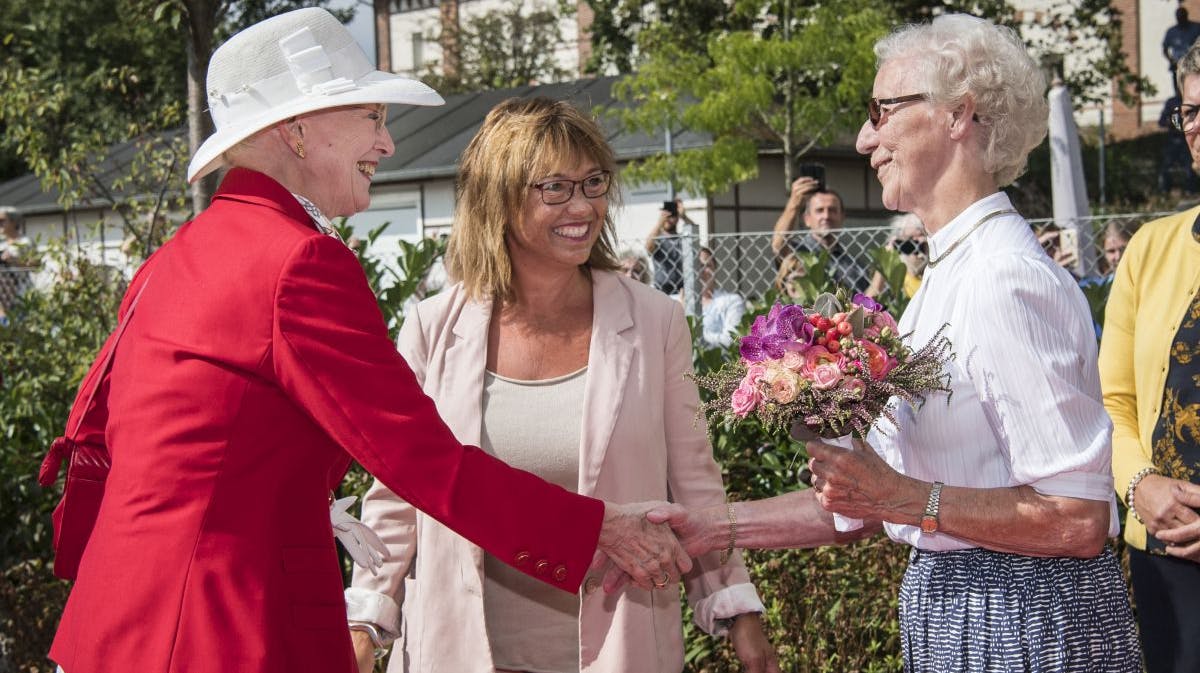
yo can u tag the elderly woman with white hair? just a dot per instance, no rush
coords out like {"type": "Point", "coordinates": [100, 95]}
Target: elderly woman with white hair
{"type": "Point", "coordinates": [1001, 488]}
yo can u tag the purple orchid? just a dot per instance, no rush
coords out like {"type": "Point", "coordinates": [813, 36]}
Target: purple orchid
{"type": "Point", "coordinates": [867, 303]}
{"type": "Point", "coordinates": [784, 328]}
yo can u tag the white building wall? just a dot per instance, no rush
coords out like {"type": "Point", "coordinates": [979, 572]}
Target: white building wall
{"type": "Point", "coordinates": [423, 27]}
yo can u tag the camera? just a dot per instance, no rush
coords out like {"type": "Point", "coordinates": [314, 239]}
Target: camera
{"type": "Point", "coordinates": [813, 170]}
{"type": "Point", "coordinates": [671, 207]}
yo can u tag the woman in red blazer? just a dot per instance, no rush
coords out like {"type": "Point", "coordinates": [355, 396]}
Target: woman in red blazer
{"type": "Point", "coordinates": [257, 365]}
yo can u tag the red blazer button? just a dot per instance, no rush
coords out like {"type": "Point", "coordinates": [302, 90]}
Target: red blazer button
{"type": "Point", "coordinates": [560, 573]}
{"type": "Point", "coordinates": [522, 558]}
{"type": "Point", "coordinates": [542, 567]}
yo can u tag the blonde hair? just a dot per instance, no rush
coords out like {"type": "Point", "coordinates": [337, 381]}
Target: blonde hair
{"type": "Point", "coordinates": [519, 139]}
{"type": "Point", "coordinates": [789, 264]}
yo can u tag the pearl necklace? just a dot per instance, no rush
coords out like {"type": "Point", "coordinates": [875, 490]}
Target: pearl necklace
{"type": "Point", "coordinates": [992, 215]}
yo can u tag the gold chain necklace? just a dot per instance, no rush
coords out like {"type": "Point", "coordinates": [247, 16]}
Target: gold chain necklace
{"type": "Point", "coordinates": [992, 215]}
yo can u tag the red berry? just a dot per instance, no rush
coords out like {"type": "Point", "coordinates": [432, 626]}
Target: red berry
{"type": "Point", "coordinates": [814, 319]}
{"type": "Point", "coordinates": [839, 317]}
{"type": "Point", "coordinates": [825, 324]}
{"type": "Point", "coordinates": [833, 346]}
{"type": "Point", "coordinates": [844, 327]}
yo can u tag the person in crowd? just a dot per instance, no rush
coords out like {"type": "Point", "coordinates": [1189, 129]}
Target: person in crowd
{"type": "Point", "coordinates": [1149, 369]}
{"type": "Point", "coordinates": [665, 248]}
{"type": "Point", "coordinates": [908, 240]}
{"type": "Point", "coordinates": [1116, 238]}
{"type": "Point", "coordinates": [823, 215]}
{"type": "Point", "coordinates": [1175, 164]}
{"type": "Point", "coordinates": [14, 246]}
{"type": "Point", "coordinates": [253, 368]}
{"type": "Point", "coordinates": [634, 266]}
{"type": "Point", "coordinates": [537, 318]}
{"type": "Point", "coordinates": [722, 311]}
{"type": "Point", "coordinates": [1050, 236]}
{"type": "Point", "coordinates": [1178, 39]}
{"type": "Point", "coordinates": [787, 278]}
{"type": "Point", "coordinates": [1002, 487]}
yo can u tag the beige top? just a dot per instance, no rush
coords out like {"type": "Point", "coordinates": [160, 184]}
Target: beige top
{"type": "Point", "coordinates": [535, 426]}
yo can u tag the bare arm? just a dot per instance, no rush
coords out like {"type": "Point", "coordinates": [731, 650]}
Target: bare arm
{"type": "Point", "coordinates": [802, 188]}
{"type": "Point", "coordinates": [1019, 520]}
{"type": "Point", "coordinates": [658, 230]}
{"type": "Point", "coordinates": [791, 520]}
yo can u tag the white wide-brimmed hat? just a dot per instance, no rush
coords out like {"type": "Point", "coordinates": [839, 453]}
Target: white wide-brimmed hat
{"type": "Point", "coordinates": [287, 65]}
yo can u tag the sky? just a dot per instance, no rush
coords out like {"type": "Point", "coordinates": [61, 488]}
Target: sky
{"type": "Point", "coordinates": [362, 26]}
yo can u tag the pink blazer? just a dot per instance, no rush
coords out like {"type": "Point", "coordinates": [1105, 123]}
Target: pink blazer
{"type": "Point", "coordinates": [256, 365]}
{"type": "Point", "coordinates": [640, 441]}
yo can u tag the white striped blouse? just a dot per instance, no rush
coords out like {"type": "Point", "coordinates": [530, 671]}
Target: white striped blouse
{"type": "Point", "coordinates": [1026, 406]}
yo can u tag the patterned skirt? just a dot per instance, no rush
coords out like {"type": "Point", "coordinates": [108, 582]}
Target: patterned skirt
{"type": "Point", "coordinates": [984, 611]}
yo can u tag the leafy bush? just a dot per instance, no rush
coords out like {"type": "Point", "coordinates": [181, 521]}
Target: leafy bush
{"type": "Point", "coordinates": [51, 338]}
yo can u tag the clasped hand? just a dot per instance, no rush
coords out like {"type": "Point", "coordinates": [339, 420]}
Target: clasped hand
{"type": "Point", "coordinates": [1168, 506]}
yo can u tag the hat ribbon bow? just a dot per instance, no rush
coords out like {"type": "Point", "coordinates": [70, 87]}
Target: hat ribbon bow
{"type": "Point", "coordinates": [310, 65]}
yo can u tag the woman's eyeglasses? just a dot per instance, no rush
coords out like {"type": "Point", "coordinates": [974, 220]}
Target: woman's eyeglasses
{"type": "Point", "coordinates": [560, 190]}
{"type": "Point", "coordinates": [1183, 117]}
{"type": "Point", "coordinates": [910, 246]}
{"type": "Point", "coordinates": [875, 111]}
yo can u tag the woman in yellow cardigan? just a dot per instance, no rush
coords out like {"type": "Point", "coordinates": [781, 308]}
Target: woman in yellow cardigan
{"type": "Point", "coordinates": [1150, 373]}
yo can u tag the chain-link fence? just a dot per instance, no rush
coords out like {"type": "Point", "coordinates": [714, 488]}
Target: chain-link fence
{"type": "Point", "coordinates": [752, 263]}
{"type": "Point", "coordinates": [13, 282]}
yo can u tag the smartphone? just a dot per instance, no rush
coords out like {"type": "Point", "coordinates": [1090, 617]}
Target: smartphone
{"type": "Point", "coordinates": [1068, 243]}
{"type": "Point", "coordinates": [812, 170]}
{"type": "Point", "coordinates": [671, 207]}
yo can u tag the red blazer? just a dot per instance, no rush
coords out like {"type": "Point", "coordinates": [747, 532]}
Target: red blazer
{"type": "Point", "coordinates": [256, 360]}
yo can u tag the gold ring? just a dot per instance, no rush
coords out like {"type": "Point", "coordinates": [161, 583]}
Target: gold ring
{"type": "Point", "coordinates": [662, 584]}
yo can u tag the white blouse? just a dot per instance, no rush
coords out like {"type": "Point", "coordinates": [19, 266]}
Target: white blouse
{"type": "Point", "coordinates": [1026, 406]}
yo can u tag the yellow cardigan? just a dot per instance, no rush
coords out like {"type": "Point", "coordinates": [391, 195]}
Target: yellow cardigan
{"type": "Point", "coordinates": [1152, 289]}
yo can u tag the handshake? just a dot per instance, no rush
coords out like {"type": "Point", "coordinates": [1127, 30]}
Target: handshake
{"type": "Point", "coordinates": [651, 544]}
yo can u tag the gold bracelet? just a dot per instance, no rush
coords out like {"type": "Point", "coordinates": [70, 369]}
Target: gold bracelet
{"type": "Point", "coordinates": [728, 551]}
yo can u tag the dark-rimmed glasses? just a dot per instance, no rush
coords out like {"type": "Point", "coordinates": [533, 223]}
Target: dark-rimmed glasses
{"type": "Point", "coordinates": [910, 246]}
{"type": "Point", "coordinates": [1183, 117]}
{"type": "Point", "coordinates": [556, 191]}
{"type": "Point", "coordinates": [875, 111]}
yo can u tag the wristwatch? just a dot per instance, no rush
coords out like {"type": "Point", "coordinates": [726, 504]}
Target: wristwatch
{"type": "Point", "coordinates": [929, 522]}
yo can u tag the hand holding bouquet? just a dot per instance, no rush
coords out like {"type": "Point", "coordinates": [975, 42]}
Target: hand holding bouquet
{"type": "Point", "coordinates": [831, 368]}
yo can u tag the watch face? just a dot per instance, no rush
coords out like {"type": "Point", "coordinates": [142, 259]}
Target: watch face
{"type": "Point", "coordinates": [929, 524]}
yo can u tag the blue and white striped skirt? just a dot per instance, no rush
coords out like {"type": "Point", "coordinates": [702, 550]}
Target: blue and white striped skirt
{"type": "Point", "coordinates": [989, 612]}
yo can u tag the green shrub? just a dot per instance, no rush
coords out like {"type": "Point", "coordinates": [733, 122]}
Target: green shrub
{"type": "Point", "coordinates": [50, 340]}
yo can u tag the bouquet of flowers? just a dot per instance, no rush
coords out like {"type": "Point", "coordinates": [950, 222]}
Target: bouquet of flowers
{"type": "Point", "coordinates": [831, 368]}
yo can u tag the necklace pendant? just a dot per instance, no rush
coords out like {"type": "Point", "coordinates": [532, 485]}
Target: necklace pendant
{"type": "Point", "coordinates": [992, 215]}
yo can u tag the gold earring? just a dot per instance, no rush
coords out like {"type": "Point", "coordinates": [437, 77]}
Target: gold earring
{"type": "Point", "coordinates": [300, 148]}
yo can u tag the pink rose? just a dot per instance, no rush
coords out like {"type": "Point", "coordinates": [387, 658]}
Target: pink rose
{"type": "Point", "coordinates": [792, 360]}
{"type": "Point", "coordinates": [854, 386]}
{"type": "Point", "coordinates": [885, 319]}
{"type": "Point", "coordinates": [745, 399]}
{"type": "Point", "coordinates": [825, 376]}
{"type": "Point", "coordinates": [784, 388]}
{"type": "Point", "coordinates": [755, 373]}
{"type": "Point", "coordinates": [878, 360]}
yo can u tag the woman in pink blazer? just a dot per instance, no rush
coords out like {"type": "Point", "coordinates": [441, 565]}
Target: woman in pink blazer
{"type": "Point", "coordinates": [539, 337]}
{"type": "Point", "coordinates": [254, 365]}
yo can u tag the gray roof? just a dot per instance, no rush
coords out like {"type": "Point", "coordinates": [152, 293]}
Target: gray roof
{"type": "Point", "coordinates": [428, 140]}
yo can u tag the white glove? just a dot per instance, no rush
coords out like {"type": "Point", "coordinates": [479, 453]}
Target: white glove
{"type": "Point", "coordinates": [363, 545]}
